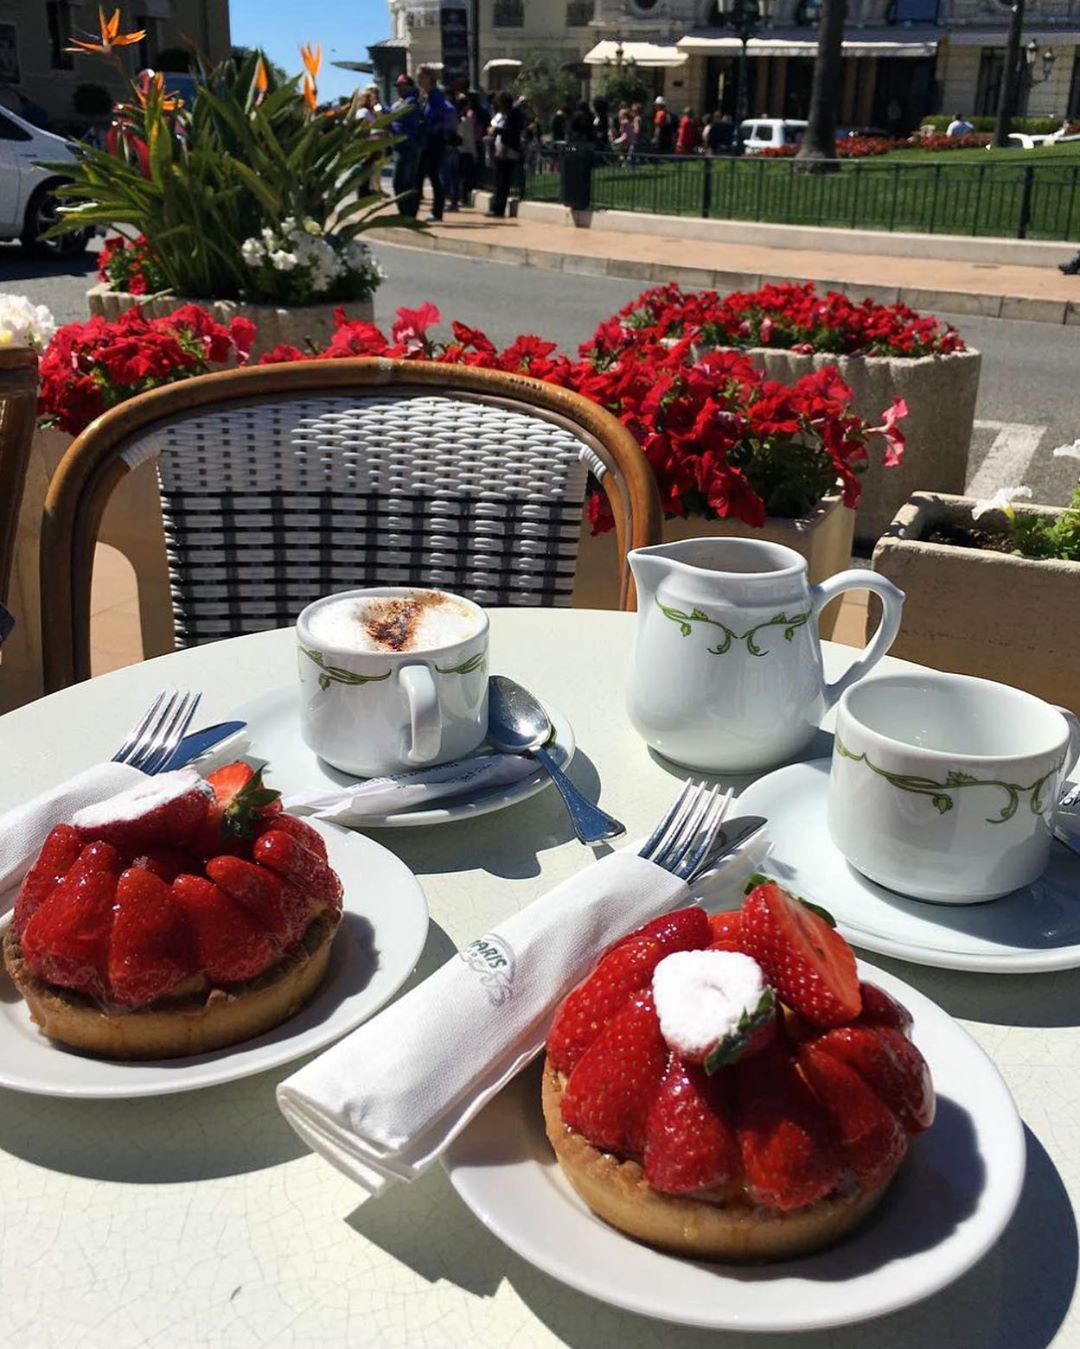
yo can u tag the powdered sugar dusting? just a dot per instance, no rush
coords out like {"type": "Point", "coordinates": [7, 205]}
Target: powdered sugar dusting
{"type": "Point", "coordinates": [139, 800]}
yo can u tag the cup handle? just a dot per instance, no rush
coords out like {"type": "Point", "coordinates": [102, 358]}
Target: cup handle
{"type": "Point", "coordinates": [425, 726]}
{"type": "Point", "coordinates": [1072, 759]}
{"type": "Point", "coordinates": [892, 603]}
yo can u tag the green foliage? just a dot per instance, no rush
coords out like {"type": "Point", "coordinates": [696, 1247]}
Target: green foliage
{"type": "Point", "coordinates": [623, 84]}
{"type": "Point", "coordinates": [545, 87]}
{"type": "Point", "coordinates": [1041, 536]}
{"type": "Point", "coordinates": [241, 55]}
{"type": "Point", "coordinates": [1033, 126]}
{"type": "Point", "coordinates": [92, 100]}
{"type": "Point", "coordinates": [197, 182]}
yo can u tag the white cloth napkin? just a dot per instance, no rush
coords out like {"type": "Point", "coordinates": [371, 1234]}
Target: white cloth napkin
{"type": "Point", "coordinates": [355, 803]}
{"type": "Point", "coordinates": [23, 830]}
{"type": "Point", "coordinates": [388, 1099]}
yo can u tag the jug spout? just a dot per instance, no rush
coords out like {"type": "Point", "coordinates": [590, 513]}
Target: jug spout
{"type": "Point", "coordinates": [649, 567]}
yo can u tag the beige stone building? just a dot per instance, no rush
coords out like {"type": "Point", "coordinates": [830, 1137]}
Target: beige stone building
{"type": "Point", "coordinates": [903, 59]}
{"type": "Point", "coordinates": [35, 33]}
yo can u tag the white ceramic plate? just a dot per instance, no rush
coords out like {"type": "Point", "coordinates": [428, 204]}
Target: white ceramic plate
{"type": "Point", "coordinates": [382, 933]}
{"type": "Point", "coordinates": [274, 735]}
{"type": "Point", "coordinates": [1033, 929]}
{"type": "Point", "coordinates": [950, 1203]}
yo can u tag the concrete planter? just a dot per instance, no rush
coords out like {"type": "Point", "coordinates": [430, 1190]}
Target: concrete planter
{"type": "Point", "coordinates": [1007, 618]}
{"type": "Point", "coordinates": [940, 394]}
{"type": "Point", "coordinates": [823, 537]}
{"type": "Point", "coordinates": [301, 326]}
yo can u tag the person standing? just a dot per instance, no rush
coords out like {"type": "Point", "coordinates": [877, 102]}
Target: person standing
{"type": "Point", "coordinates": [689, 137]}
{"type": "Point", "coordinates": [560, 122]}
{"type": "Point", "coordinates": [468, 150]}
{"type": "Point", "coordinates": [720, 134]}
{"type": "Point", "coordinates": [408, 122]}
{"type": "Point", "coordinates": [663, 127]}
{"type": "Point", "coordinates": [507, 124]}
{"type": "Point", "coordinates": [437, 114]}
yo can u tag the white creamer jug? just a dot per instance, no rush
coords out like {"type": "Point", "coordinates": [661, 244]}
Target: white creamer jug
{"type": "Point", "coordinates": [727, 673]}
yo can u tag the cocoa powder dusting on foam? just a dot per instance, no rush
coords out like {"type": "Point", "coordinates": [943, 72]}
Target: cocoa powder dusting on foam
{"type": "Point", "coordinates": [391, 623]}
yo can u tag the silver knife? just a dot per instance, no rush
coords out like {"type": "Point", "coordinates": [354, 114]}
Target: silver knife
{"type": "Point", "coordinates": [199, 742]}
{"type": "Point", "coordinates": [732, 833]}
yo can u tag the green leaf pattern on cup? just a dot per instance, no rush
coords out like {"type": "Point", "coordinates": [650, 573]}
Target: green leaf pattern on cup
{"type": "Point", "coordinates": [941, 793]}
{"type": "Point", "coordinates": [334, 674]}
{"type": "Point", "coordinates": [789, 623]}
{"type": "Point", "coordinates": [466, 667]}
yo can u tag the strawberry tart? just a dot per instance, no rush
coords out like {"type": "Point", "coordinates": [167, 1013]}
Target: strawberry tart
{"type": "Point", "coordinates": [727, 1088]}
{"type": "Point", "coordinates": [179, 917]}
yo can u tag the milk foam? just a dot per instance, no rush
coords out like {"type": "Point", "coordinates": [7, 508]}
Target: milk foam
{"type": "Point", "coordinates": [423, 621]}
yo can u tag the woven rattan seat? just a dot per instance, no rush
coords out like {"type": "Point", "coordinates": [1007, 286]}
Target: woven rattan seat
{"type": "Point", "coordinates": [284, 483]}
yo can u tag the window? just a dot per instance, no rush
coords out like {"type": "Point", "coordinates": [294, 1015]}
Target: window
{"type": "Point", "coordinates": [58, 16]}
{"type": "Point", "coordinates": [509, 14]}
{"type": "Point", "coordinates": [579, 13]}
{"type": "Point", "coordinates": [11, 131]}
{"type": "Point", "coordinates": [991, 76]}
{"type": "Point", "coordinates": [912, 11]}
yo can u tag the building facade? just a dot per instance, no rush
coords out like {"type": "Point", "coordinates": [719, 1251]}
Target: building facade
{"type": "Point", "coordinates": [35, 33]}
{"type": "Point", "coordinates": [903, 59]}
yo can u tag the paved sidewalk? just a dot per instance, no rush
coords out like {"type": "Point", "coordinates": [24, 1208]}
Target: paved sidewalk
{"type": "Point", "coordinates": [1040, 294]}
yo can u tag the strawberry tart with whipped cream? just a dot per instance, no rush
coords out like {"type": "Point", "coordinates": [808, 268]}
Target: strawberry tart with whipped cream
{"type": "Point", "coordinates": [727, 1088]}
{"type": "Point", "coordinates": [181, 916]}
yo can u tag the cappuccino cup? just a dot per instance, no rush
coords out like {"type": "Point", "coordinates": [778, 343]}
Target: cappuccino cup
{"type": "Point", "coordinates": [943, 787]}
{"type": "Point", "coordinates": [392, 678]}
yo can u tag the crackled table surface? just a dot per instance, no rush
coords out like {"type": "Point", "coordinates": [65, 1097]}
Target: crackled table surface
{"type": "Point", "coordinates": [201, 1220]}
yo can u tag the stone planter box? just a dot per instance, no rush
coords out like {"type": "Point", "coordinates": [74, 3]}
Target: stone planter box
{"type": "Point", "coordinates": [1007, 618]}
{"type": "Point", "coordinates": [300, 326]}
{"type": "Point", "coordinates": [823, 537]}
{"type": "Point", "coordinates": [940, 394]}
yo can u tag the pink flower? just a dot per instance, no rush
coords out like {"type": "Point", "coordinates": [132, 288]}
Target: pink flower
{"type": "Point", "coordinates": [411, 325]}
{"type": "Point", "coordinates": [893, 436]}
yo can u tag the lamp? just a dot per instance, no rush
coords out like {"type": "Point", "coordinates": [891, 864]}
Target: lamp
{"type": "Point", "coordinates": [746, 18]}
{"type": "Point", "coordinates": [1031, 55]}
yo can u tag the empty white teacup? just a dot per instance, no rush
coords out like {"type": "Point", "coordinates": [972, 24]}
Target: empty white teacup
{"type": "Point", "coordinates": [943, 787]}
{"type": "Point", "coordinates": [392, 678]}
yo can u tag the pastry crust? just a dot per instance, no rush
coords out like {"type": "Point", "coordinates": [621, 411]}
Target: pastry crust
{"type": "Point", "coordinates": [706, 1229]}
{"type": "Point", "coordinates": [195, 1024]}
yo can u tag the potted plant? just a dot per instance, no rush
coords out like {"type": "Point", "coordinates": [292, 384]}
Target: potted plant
{"type": "Point", "coordinates": [883, 353]}
{"type": "Point", "coordinates": [992, 590]}
{"type": "Point", "coordinates": [253, 200]}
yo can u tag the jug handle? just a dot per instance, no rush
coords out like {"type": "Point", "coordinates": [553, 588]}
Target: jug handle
{"type": "Point", "coordinates": [892, 603]}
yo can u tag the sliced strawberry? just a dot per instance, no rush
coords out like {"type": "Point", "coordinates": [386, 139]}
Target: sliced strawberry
{"type": "Point", "coordinates": [235, 811]}
{"type": "Point", "coordinates": [871, 1138]}
{"type": "Point", "coordinates": [725, 930]}
{"type": "Point", "coordinates": [809, 964]}
{"type": "Point", "coordinates": [58, 854]}
{"type": "Point", "coordinates": [289, 858]}
{"type": "Point", "coordinates": [789, 1147]}
{"type": "Point", "coordinates": [303, 832]}
{"type": "Point", "coordinates": [66, 942]}
{"type": "Point", "coordinates": [159, 812]}
{"type": "Point", "coordinates": [891, 1065]}
{"type": "Point", "coordinates": [690, 1140]}
{"type": "Point", "coordinates": [230, 945]}
{"type": "Point", "coordinates": [879, 1009]}
{"type": "Point", "coordinates": [624, 970]}
{"type": "Point", "coordinates": [610, 1092]}
{"type": "Point", "coordinates": [166, 863]}
{"type": "Point", "coordinates": [282, 909]}
{"type": "Point", "coordinates": [150, 949]}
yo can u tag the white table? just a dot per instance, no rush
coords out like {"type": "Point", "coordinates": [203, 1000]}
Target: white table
{"type": "Point", "coordinates": [201, 1220]}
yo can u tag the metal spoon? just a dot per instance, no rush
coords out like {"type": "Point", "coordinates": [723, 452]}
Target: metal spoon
{"type": "Point", "coordinates": [517, 724]}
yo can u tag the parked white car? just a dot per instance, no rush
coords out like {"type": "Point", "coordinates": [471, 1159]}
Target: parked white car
{"type": "Point", "coordinates": [768, 133]}
{"type": "Point", "coordinates": [27, 205]}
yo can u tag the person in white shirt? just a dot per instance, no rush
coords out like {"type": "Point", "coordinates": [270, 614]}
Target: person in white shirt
{"type": "Point", "coordinates": [959, 126]}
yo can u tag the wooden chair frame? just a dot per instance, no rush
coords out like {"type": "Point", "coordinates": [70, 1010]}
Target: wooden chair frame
{"type": "Point", "coordinates": [18, 416]}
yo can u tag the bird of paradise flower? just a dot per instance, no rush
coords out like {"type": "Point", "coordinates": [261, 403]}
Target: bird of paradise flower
{"type": "Point", "coordinates": [109, 36]}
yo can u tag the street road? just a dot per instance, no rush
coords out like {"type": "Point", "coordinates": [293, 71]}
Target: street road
{"type": "Point", "coordinates": [1029, 394]}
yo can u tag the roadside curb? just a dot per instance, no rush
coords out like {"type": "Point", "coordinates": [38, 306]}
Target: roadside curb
{"type": "Point", "coordinates": [977, 303]}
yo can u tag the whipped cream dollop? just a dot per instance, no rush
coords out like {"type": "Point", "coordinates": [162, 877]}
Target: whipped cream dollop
{"type": "Point", "coordinates": [702, 996]}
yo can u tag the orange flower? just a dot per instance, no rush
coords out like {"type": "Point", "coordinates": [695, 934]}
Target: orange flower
{"type": "Point", "coordinates": [111, 36]}
{"type": "Point", "coordinates": [169, 102]}
{"type": "Point", "coordinates": [312, 59]}
{"type": "Point", "coordinates": [262, 80]}
{"type": "Point", "coordinates": [310, 97]}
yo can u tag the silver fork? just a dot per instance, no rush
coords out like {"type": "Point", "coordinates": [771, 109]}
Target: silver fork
{"type": "Point", "coordinates": [681, 842]}
{"type": "Point", "coordinates": [151, 742]}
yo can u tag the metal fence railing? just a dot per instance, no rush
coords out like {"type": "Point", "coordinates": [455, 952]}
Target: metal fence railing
{"type": "Point", "coordinates": [1022, 200]}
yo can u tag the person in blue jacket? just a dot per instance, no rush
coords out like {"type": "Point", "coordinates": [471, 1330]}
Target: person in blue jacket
{"type": "Point", "coordinates": [440, 124]}
{"type": "Point", "coordinates": [408, 122]}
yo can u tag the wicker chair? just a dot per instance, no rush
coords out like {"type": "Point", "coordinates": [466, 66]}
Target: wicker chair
{"type": "Point", "coordinates": [283, 483]}
{"type": "Point", "coordinates": [18, 411]}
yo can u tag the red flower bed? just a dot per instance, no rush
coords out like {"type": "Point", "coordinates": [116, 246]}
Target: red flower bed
{"type": "Point", "coordinates": [130, 265]}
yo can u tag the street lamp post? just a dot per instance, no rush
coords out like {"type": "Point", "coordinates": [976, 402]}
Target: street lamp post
{"type": "Point", "coordinates": [745, 18]}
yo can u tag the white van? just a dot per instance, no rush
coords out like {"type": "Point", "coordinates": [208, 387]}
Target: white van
{"type": "Point", "coordinates": [27, 206]}
{"type": "Point", "coordinates": [769, 133]}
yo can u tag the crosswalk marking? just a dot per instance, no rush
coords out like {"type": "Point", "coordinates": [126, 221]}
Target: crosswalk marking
{"type": "Point", "coordinates": [1009, 457]}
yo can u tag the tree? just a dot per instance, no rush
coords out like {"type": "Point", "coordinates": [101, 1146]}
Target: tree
{"type": "Point", "coordinates": [818, 149]}
{"type": "Point", "coordinates": [623, 84]}
{"type": "Point", "coordinates": [1010, 84]}
{"type": "Point", "coordinates": [545, 87]}
{"type": "Point", "coordinates": [239, 55]}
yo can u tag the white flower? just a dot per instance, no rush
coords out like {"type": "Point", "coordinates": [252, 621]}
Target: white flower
{"type": "Point", "coordinates": [282, 261]}
{"type": "Point", "coordinates": [23, 324]}
{"type": "Point", "coordinates": [1001, 501]}
{"type": "Point", "coordinates": [312, 226]}
{"type": "Point", "coordinates": [1068, 451]}
{"type": "Point", "coordinates": [253, 251]}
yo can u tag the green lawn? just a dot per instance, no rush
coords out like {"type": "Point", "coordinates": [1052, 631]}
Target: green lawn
{"type": "Point", "coordinates": [975, 192]}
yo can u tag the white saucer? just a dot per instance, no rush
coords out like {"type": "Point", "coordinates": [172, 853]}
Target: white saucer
{"type": "Point", "coordinates": [274, 735]}
{"type": "Point", "coordinates": [950, 1203]}
{"type": "Point", "coordinates": [382, 933]}
{"type": "Point", "coordinates": [1033, 929]}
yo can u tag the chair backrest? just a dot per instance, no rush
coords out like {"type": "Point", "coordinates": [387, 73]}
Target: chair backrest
{"type": "Point", "coordinates": [18, 412]}
{"type": "Point", "coordinates": [283, 483]}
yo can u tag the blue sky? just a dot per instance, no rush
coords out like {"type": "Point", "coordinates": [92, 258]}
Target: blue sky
{"type": "Point", "coordinates": [344, 27]}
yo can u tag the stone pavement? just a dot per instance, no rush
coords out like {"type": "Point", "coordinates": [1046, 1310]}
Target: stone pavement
{"type": "Point", "coordinates": [993, 290]}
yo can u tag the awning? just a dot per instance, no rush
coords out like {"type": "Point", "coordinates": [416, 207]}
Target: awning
{"type": "Point", "coordinates": [500, 63]}
{"type": "Point", "coordinates": [801, 43]}
{"type": "Point", "coordinates": [640, 53]}
{"type": "Point", "coordinates": [999, 37]}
